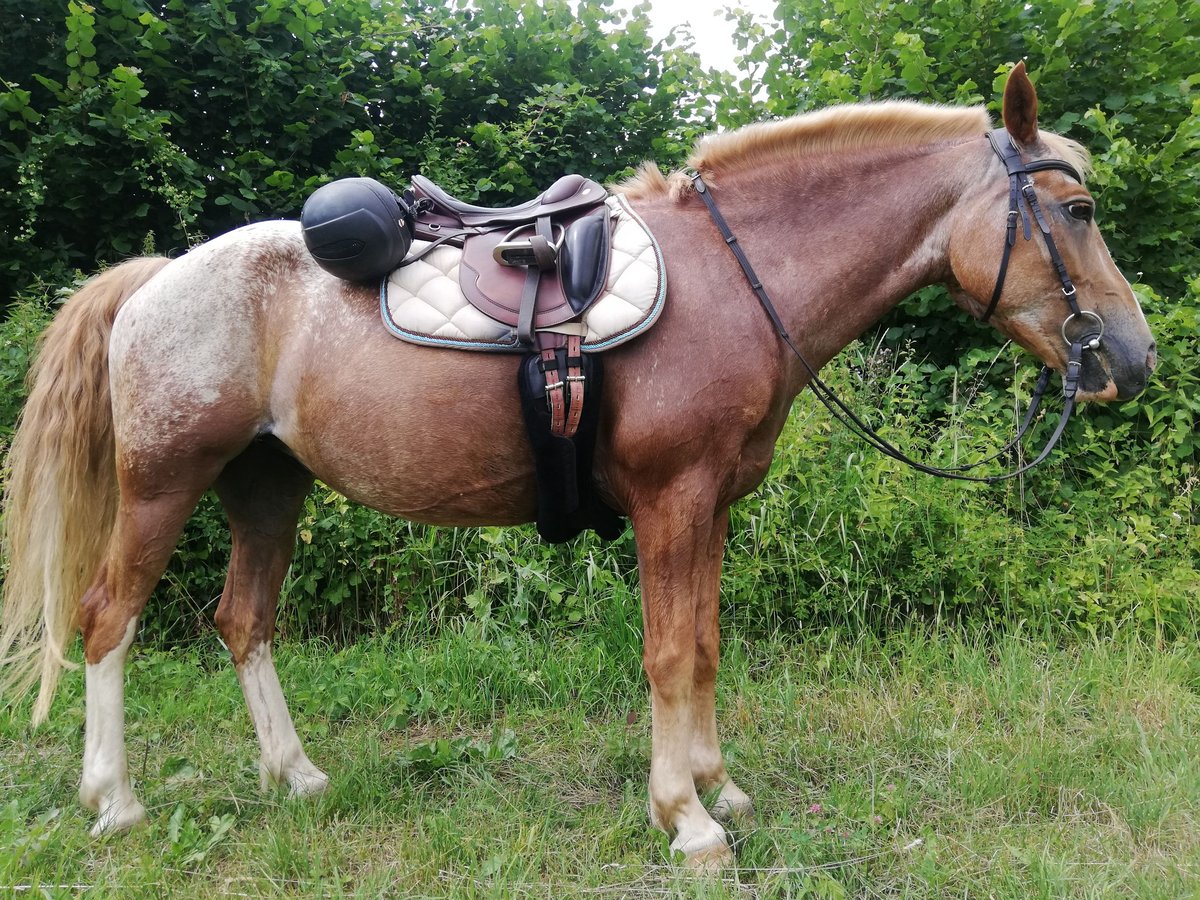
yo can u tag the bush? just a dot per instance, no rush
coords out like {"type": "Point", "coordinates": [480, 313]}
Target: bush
{"type": "Point", "coordinates": [499, 99]}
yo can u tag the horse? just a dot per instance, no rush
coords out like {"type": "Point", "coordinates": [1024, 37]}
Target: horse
{"type": "Point", "coordinates": [243, 367]}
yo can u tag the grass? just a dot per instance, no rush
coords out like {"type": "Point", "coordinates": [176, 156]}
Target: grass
{"type": "Point", "coordinates": [486, 762]}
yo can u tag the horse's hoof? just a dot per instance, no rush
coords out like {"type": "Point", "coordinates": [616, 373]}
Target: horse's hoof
{"type": "Point", "coordinates": [734, 809]}
{"type": "Point", "coordinates": [119, 816]}
{"type": "Point", "coordinates": [302, 780]}
{"type": "Point", "coordinates": [307, 782]}
{"type": "Point", "coordinates": [710, 860]}
{"type": "Point", "coordinates": [707, 852]}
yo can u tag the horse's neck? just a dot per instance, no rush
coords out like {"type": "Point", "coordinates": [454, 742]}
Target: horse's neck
{"type": "Point", "coordinates": [839, 245]}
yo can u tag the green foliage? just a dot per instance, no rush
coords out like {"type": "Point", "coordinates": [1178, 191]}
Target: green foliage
{"type": "Point", "coordinates": [18, 341]}
{"type": "Point", "coordinates": [229, 111]}
{"type": "Point", "coordinates": [1110, 529]}
{"type": "Point", "coordinates": [1120, 77]}
{"type": "Point", "coordinates": [1099, 538]}
{"type": "Point", "coordinates": [446, 753]}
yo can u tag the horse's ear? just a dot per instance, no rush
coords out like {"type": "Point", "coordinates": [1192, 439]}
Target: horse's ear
{"type": "Point", "coordinates": [1020, 106]}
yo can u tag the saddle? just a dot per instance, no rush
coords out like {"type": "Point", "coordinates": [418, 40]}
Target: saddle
{"type": "Point", "coordinates": [571, 192]}
{"type": "Point", "coordinates": [534, 265]}
{"type": "Point", "coordinates": [538, 266]}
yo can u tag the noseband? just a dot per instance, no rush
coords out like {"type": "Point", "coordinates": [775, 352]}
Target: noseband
{"type": "Point", "coordinates": [1022, 204]}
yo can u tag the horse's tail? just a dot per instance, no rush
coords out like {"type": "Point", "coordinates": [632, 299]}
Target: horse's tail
{"type": "Point", "coordinates": [61, 497]}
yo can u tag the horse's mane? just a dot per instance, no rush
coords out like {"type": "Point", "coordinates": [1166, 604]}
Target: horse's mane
{"type": "Point", "coordinates": [826, 132]}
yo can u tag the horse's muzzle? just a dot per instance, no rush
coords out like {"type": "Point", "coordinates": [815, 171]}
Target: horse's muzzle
{"type": "Point", "coordinates": [1119, 370]}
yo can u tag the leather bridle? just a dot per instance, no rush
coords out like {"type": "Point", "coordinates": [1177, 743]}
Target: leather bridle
{"type": "Point", "coordinates": [1022, 204]}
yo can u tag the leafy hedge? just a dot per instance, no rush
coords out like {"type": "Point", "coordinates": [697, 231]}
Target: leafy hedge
{"type": "Point", "coordinates": [226, 111]}
{"type": "Point", "coordinates": [124, 124]}
{"type": "Point", "coordinates": [1103, 536]}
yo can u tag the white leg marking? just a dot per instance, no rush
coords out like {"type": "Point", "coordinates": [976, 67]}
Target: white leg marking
{"type": "Point", "coordinates": [708, 769]}
{"type": "Point", "coordinates": [283, 759]}
{"type": "Point", "coordinates": [104, 786]}
{"type": "Point", "coordinates": [674, 805]}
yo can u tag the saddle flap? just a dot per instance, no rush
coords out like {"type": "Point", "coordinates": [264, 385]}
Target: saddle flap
{"type": "Point", "coordinates": [495, 290]}
{"type": "Point", "coordinates": [583, 262]}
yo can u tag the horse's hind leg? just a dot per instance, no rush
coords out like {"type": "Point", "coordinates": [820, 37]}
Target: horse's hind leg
{"type": "Point", "coordinates": [148, 525]}
{"type": "Point", "coordinates": [263, 492]}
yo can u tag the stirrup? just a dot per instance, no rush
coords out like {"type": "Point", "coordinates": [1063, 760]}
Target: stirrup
{"type": "Point", "coordinates": [519, 253]}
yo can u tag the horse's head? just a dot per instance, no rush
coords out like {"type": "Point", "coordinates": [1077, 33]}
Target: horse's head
{"type": "Point", "coordinates": [1030, 301]}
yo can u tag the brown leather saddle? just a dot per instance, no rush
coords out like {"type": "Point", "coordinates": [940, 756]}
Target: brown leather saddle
{"type": "Point", "coordinates": [535, 265]}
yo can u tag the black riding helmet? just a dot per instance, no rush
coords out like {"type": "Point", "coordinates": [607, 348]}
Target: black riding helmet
{"type": "Point", "coordinates": [356, 228]}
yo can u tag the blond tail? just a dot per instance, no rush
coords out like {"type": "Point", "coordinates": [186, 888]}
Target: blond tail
{"type": "Point", "coordinates": [60, 500]}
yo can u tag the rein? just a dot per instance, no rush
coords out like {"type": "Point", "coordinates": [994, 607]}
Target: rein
{"type": "Point", "coordinates": [1022, 201]}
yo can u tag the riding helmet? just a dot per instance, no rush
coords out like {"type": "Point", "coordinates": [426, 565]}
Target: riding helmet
{"type": "Point", "coordinates": [356, 228]}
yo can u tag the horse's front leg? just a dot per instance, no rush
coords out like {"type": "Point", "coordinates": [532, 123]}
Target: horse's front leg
{"type": "Point", "coordinates": [674, 537]}
{"type": "Point", "coordinates": [708, 764]}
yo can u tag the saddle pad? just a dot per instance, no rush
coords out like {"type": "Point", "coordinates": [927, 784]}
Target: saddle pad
{"type": "Point", "coordinates": [423, 303]}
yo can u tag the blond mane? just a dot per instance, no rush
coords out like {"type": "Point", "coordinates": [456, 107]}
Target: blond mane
{"type": "Point", "coordinates": [836, 130]}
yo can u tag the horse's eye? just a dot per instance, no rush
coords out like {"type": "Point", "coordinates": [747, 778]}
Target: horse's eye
{"type": "Point", "coordinates": [1081, 211]}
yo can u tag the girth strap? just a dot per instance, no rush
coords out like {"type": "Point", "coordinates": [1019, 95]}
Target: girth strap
{"type": "Point", "coordinates": [565, 395]}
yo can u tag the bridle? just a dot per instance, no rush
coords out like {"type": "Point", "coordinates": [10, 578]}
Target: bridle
{"type": "Point", "coordinates": [1022, 204]}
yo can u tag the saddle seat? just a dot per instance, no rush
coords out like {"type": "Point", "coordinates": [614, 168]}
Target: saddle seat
{"type": "Point", "coordinates": [570, 192]}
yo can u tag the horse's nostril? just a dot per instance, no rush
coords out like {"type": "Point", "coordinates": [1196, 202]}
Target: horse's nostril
{"type": "Point", "coordinates": [1152, 356]}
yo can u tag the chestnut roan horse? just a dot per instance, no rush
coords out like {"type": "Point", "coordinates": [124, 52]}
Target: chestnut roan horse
{"type": "Point", "coordinates": [244, 367]}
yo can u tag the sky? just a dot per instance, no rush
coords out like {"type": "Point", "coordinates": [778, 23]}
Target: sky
{"type": "Point", "coordinates": [707, 18]}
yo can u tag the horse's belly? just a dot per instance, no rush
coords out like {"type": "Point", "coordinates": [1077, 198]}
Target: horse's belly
{"type": "Point", "coordinates": [433, 436]}
{"type": "Point", "coordinates": [435, 486]}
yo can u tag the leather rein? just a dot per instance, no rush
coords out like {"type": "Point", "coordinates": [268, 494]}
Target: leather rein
{"type": "Point", "coordinates": [1023, 205]}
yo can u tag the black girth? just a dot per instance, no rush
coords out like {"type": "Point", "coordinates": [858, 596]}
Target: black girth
{"type": "Point", "coordinates": [1022, 202]}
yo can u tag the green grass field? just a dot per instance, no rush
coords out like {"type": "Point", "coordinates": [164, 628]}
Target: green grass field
{"type": "Point", "coordinates": [494, 763]}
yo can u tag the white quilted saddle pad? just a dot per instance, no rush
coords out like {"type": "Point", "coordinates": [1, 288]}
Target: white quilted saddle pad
{"type": "Point", "coordinates": [422, 302]}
